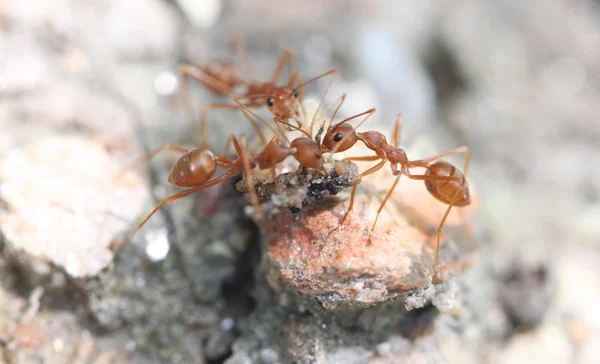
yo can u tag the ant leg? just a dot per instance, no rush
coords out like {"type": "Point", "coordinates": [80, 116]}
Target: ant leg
{"type": "Point", "coordinates": [179, 195]}
{"type": "Point", "coordinates": [248, 178]}
{"type": "Point", "coordinates": [397, 131]}
{"type": "Point", "coordinates": [362, 159]}
{"type": "Point", "coordinates": [204, 129]}
{"type": "Point", "coordinates": [387, 196]}
{"type": "Point", "coordinates": [242, 51]}
{"type": "Point", "coordinates": [464, 149]}
{"type": "Point", "coordinates": [439, 231]}
{"type": "Point", "coordinates": [202, 77]}
{"type": "Point", "coordinates": [320, 104]}
{"type": "Point", "coordinates": [371, 170]}
{"type": "Point", "coordinates": [440, 227]}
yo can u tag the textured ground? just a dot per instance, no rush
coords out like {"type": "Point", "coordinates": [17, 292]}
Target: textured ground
{"type": "Point", "coordinates": [517, 82]}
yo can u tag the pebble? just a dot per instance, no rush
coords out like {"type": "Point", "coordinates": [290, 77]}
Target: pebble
{"type": "Point", "coordinates": [350, 266]}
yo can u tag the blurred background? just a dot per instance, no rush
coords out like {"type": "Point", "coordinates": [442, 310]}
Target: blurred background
{"type": "Point", "coordinates": [518, 82]}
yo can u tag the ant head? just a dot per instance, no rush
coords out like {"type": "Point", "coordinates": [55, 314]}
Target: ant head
{"type": "Point", "coordinates": [308, 152]}
{"type": "Point", "coordinates": [339, 137]}
{"type": "Point", "coordinates": [283, 102]}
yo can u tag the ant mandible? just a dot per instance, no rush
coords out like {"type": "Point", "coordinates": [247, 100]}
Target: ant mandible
{"type": "Point", "coordinates": [444, 181]}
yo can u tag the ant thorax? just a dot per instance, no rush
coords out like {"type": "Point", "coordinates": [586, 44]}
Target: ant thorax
{"type": "Point", "coordinates": [397, 156]}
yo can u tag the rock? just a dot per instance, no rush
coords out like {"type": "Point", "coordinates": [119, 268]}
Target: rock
{"type": "Point", "coordinates": [64, 201]}
{"type": "Point", "coordinates": [26, 70]}
{"type": "Point", "coordinates": [350, 265]}
{"type": "Point", "coordinates": [548, 344]}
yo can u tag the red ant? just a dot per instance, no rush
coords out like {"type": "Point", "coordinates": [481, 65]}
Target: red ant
{"type": "Point", "coordinates": [196, 167]}
{"type": "Point", "coordinates": [221, 76]}
{"type": "Point", "coordinates": [444, 181]}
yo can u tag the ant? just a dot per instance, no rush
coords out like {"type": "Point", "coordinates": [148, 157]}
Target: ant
{"type": "Point", "coordinates": [444, 181]}
{"type": "Point", "coordinates": [222, 76]}
{"type": "Point", "coordinates": [196, 167]}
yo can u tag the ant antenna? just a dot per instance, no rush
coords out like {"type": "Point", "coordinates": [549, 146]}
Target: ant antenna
{"type": "Point", "coordinates": [238, 43]}
{"type": "Point", "coordinates": [320, 104]}
{"type": "Point", "coordinates": [246, 110]}
{"type": "Point", "coordinates": [339, 101]}
{"type": "Point", "coordinates": [330, 72]}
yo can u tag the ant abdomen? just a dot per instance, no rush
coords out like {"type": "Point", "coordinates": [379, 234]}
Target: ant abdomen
{"type": "Point", "coordinates": [445, 190]}
{"type": "Point", "coordinates": [193, 168]}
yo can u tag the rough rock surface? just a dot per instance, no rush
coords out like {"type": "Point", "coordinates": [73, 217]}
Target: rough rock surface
{"type": "Point", "coordinates": [64, 201]}
{"type": "Point", "coordinates": [351, 264]}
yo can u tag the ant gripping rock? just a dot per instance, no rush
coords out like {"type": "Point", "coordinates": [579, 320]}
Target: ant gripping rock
{"type": "Point", "coordinates": [444, 181]}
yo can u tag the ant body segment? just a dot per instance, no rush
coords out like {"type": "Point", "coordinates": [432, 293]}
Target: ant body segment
{"type": "Point", "coordinates": [443, 181]}
{"type": "Point", "coordinates": [222, 76]}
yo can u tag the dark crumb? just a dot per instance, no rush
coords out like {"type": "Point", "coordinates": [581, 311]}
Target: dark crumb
{"type": "Point", "coordinates": [296, 190]}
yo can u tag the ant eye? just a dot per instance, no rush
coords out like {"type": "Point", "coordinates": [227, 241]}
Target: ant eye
{"type": "Point", "coordinates": [296, 93]}
{"type": "Point", "coordinates": [338, 137]}
{"type": "Point", "coordinates": [269, 102]}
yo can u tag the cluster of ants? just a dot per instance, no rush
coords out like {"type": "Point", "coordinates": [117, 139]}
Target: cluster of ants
{"type": "Point", "coordinates": [196, 168]}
